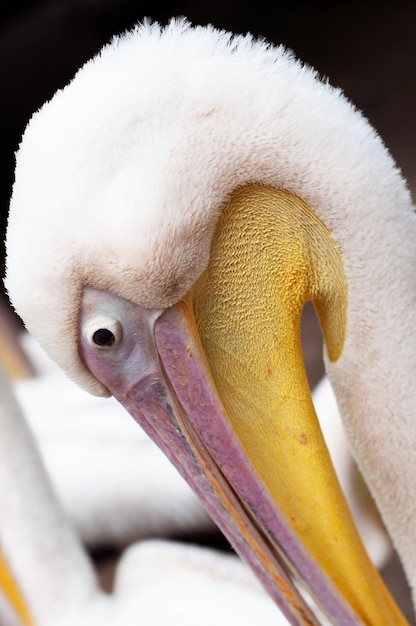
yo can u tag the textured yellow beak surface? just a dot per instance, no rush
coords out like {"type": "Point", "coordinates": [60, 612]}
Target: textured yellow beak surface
{"type": "Point", "coordinates": [270, 255]}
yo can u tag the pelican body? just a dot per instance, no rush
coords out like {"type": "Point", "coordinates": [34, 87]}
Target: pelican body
{"type": "Point", "coordinates": [174, 208]}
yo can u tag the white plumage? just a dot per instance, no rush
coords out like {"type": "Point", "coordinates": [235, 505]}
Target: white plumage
{"type": "Point", "coordinates": [120, 180]}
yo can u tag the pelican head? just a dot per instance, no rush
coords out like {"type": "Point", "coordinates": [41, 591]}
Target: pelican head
{"type": "Point", "coordinates": [174, 208]}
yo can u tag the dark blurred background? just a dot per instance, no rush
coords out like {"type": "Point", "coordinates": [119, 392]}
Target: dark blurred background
{"type": "Point", "coordinates": [366, 48]}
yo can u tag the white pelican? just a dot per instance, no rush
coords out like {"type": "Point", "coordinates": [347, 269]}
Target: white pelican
{"type": "Point", "coordinates": [174, 208]}
{"type": "Point", "coordinates": [41, 557]}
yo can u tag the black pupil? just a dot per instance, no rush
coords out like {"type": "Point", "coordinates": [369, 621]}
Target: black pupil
{"type": "Point", "coordinates": [103, 337]}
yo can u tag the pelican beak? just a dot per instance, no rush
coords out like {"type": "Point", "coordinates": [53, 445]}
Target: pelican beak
{"type": "Point", "coordinates": [13, 594]}
{"type": "Point", "coordinates": [231, 409]}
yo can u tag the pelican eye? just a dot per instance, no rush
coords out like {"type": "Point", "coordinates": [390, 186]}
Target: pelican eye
{"type": "Point", "coordinates": [103, 332]}
{"type": "Point", "coordinates": [103, 337]}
